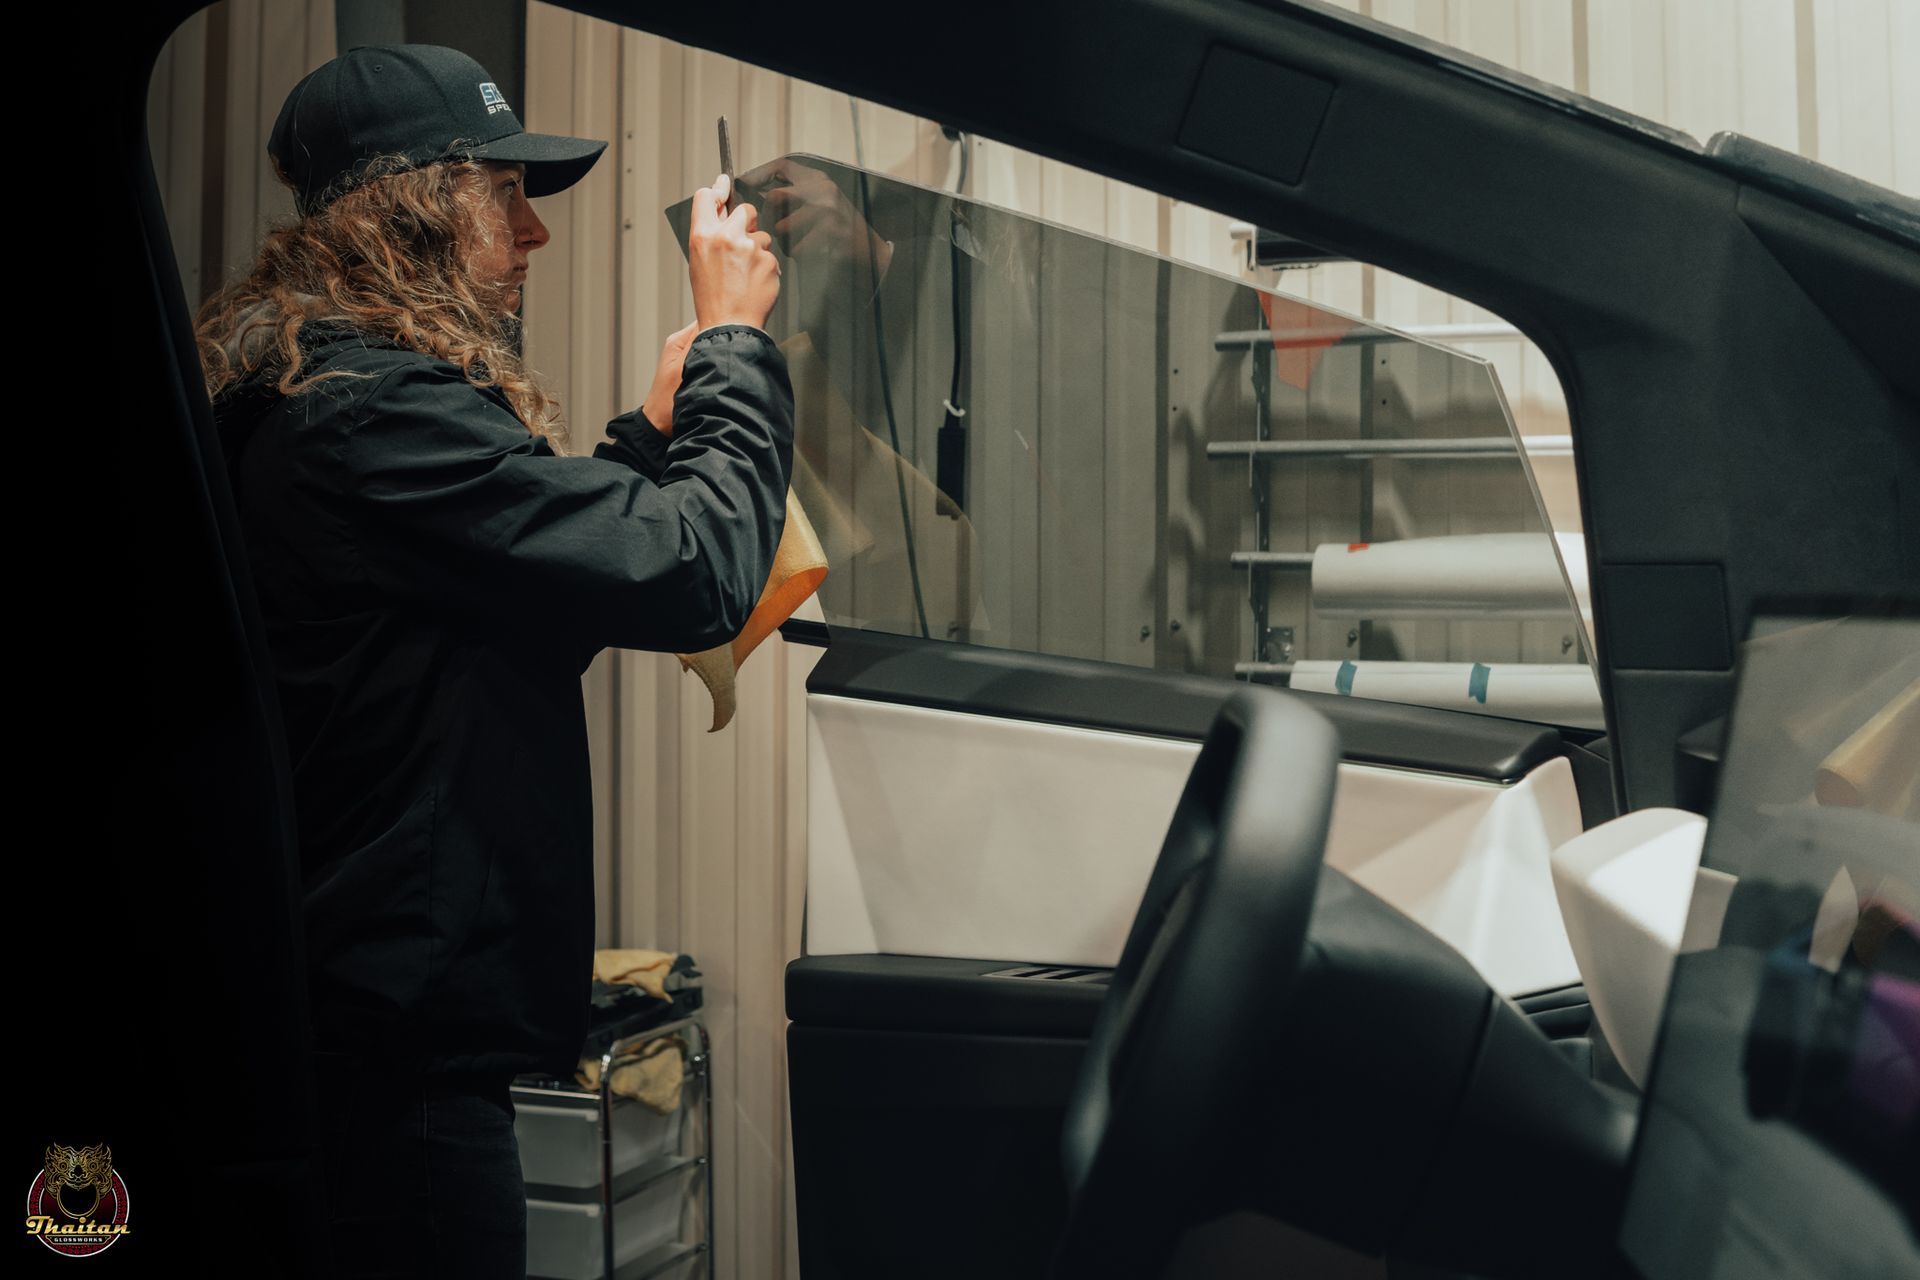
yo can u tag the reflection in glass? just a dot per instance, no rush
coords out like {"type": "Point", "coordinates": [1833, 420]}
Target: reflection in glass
{"type": "Point", "coordinates": [1781, 1135]}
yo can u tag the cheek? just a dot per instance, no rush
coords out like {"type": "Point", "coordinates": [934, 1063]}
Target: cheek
{"type": "Point", "coordinates": [491, 256]}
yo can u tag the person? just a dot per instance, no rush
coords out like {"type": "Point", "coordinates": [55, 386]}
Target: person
{"type": "Point", "coordinates": [435, 567]}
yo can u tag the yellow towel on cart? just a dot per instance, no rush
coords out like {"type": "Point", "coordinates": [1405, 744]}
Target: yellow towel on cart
{"type": "Point", "coordinates": [653, 1080]}
{"type": "Point", "coordinates": [634, 967]}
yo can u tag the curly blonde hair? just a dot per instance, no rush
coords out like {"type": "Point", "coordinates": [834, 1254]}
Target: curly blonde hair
{"type": "Point", "coordinates": [390, 257]}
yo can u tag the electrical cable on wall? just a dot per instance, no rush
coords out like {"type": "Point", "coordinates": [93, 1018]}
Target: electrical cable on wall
{"type": "Point", "coordinates": [886, 381]}
{"type": "Point", "coordinates": [950, 468]}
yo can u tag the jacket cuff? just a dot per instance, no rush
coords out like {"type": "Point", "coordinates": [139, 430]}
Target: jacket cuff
{"type": "Point", "coordinates": [635, 442]}
{"type": "Point", "coordinates": [729, 332]}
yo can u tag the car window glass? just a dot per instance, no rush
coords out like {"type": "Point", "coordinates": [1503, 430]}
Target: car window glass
{"type": "Point", "coordinates": [1018, 434]}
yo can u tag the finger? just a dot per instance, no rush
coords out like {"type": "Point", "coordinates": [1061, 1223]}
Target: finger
{"type": "Point", "coordinates": [706, 210]}
{"type": "Point", "coordinates": [749, 217]}
{"type": "Point", "coordinates": [722, 190]}
{"type": "Point", "coordinates": [762, 239]}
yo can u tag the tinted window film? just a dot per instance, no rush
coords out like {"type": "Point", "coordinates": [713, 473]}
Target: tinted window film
{"type": "Point", "coordinates": [1015, 434]}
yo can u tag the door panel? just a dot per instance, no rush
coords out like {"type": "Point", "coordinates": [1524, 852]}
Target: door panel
{"type": "Point", "coordinates": [974, 813]}
{"type": "Point", "coordinates": [941, 832]}
{"type": "Point", "coordinates": [928, 1154]}
{"type": "Point", "coordinates": [928, 1098]}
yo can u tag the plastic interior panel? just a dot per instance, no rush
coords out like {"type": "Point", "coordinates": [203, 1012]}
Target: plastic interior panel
{"type": "Point", "coordinates": [939, 833]}
{"type": "Point", "coordinates": [1624, 890]}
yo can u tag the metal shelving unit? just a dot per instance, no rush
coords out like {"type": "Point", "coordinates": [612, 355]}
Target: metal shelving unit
{"type": "Point", "coordinates": [1273, 656]}
{"type": "Point", "coordinates": [581, 1150]}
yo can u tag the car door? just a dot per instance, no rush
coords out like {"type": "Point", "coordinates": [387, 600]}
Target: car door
{"type": "Point", "coordinates": [1043, 585]}
{"type": "Point", "coordinates": [194, 937]}
{"type": "Point", "coordinates": [924, 1092]}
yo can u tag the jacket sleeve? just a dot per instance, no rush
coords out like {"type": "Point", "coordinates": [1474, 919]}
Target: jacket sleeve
{"type": "Point", "coordinates": [635, 443]}
{"type": "Point", "coordinates": [451, 504]}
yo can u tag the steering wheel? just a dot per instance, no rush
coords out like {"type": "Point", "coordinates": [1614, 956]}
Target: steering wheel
{"type": "Point", "coordinates": [1173, 1066]}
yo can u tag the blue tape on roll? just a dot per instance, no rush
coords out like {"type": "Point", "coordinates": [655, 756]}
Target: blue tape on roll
{"type": "Point", "coordinates": [1343, 679]}
{"type": "Point", "coordinates": [1477, 682]}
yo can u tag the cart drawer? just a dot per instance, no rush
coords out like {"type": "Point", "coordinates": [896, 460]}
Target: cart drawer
{"type": "Point", "coordinates": [560, 1144]}
{"type": "Point", "coordinates": [565, 1241]}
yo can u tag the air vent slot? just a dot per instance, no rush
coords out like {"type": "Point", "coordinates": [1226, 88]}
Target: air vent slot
{"type": "Point", "coordinates": [1056, 973]}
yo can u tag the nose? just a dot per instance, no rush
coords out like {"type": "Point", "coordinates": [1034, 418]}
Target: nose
{"type": "Point", "coordinates": [531, 233]}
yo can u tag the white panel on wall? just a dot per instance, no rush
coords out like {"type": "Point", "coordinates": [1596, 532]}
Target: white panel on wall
{"type": "Point", "coordinates": [1852, 47]}
{"type": "Point", "coordinates": [1546, 44]}
{"type": "Point", "coordinates": [242, 57]}
{"type": "Point", "coordinates": [1703, 94]}
{"type": "Point", "coordinates": [1627, 58]}
{"type": "Point", "coordinates": [1903, 51]}
{"type": "Point", "coordinates": [1765, 64]}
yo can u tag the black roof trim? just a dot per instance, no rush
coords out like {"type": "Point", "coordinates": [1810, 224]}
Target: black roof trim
{"type": "Point", "coordinates": [1832, 190]}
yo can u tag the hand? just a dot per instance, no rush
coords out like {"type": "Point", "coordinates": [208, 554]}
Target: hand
{"type": "Point", "coordinates": [735, 278]}
{"type": "Point", "coordinates": [658, 406]}
{"type": "Point", "coordinates": [813, 218]}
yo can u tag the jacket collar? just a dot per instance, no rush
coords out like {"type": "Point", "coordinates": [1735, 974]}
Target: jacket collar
{"type": "Point", "coordinates": [241, 407]}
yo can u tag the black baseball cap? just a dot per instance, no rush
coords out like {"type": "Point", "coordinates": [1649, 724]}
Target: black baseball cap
{"type": "Point", "coordinates": [422, 101]}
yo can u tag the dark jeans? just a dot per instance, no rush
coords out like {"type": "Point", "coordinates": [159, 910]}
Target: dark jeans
{"type": "Point", "coordinates": [421, 1174]}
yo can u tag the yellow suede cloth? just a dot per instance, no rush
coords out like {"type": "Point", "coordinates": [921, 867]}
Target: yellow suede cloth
{"type": "Point", "coordinates": [799, 566]}
{"type": "Point", "coordinates": [635, 967]}
{"type": "Point", "coordinates": [652, 1079]}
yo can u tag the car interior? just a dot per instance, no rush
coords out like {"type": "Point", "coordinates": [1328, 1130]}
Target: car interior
{"type": "Point", "coordinates": [1453, 898]}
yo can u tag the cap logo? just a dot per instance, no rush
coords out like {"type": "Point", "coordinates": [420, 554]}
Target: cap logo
{"type": "Point", "coordinates": [491, 96]}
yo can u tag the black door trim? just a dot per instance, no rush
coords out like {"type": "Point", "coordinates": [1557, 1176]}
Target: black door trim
{"type": "Point", "coordinates": [1010, 684]}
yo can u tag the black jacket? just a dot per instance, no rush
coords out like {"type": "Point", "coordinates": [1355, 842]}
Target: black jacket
{"type": "Point", "coordinates": [434, 579]}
